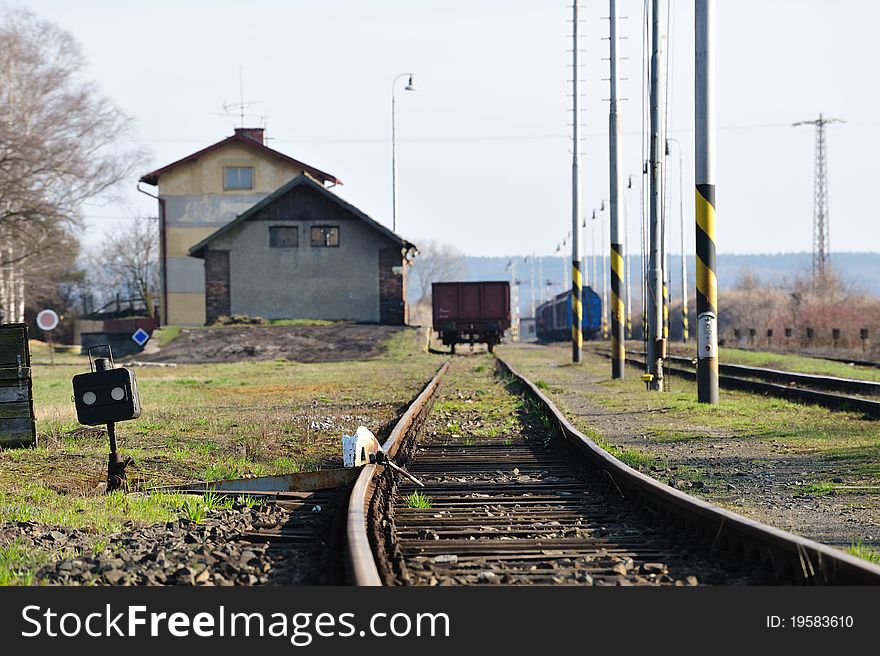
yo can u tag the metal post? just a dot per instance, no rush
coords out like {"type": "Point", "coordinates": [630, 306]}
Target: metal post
{"type": "Point", "coordinates": [627, 267]}
{"type": "Point", "coordinates": [393, 160]}
{"type": "Point", "coordinates": [617, 253]}
{"type": "Point", "coordinates": [541, 279]}
{"type": "Point", "coordinates": [585, 270]}
{"type": "Point", "coordinates": [707, 283]}
{"type": "Point", "coordinates": [656, 343]}
{"type": "Point", "coordinates": [685, 328]}
{"type": "Point", "coordinates": [577, 310]}
{"type": "Point", "coordinates": [605, 305]}
{"type": "Point", "coordinates": [409, 87]}
{"type": "Point", "coordinates": [115, 464]}
{"type": "Point", "coordinates": [532, 285]}
{"type": "Point", "coordinates": [593, 249]}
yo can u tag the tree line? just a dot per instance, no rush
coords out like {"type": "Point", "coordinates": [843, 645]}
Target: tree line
{"type": "Point", "coordinates": [62, 143]}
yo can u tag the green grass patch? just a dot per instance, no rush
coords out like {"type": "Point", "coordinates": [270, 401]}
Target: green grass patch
{"type": "Point", "coordinates": [165, 335]}
{"type": "Point", "coordinates": [106, 513]}
{"type": "Point", "coordinates": [863, 551]}
{"type": "Point", "coordinates": [418, 500]}
{"type": "Point", "coordinates": [817, 489]}
{"type": "Point", "coordinates": [232, 468]}
{"type": "Point", "coordinates": [18, 564]}
{"type": "Point", "coordinates": [633, 457]}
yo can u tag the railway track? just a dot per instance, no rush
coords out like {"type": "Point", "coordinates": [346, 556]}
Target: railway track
{"type": "Point", "coordinates": [515, 495]}
{"type": "Point", "coordinates": [827, 391]}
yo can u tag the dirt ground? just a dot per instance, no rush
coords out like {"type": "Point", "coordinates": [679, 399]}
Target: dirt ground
{"type": "Point", "coordinates": [333, 343]}
{"type": "Point", "coordinates": [768, 477]}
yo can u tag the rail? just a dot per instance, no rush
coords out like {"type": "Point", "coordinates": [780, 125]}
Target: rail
{"type": "Point", "coordinates": [794, 386]}
{"type": "Point", "coordinates": [790, 558]}
{"type": "Point", "coordinates": [361, 562]}
{"type": "Point", "coordinates": [806, 559]}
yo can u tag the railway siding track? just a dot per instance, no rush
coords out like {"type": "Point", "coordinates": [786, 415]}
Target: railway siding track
{"type": "Point", "coordinates": [794, 386]}
{"type": "Point", "coordinates": [540, 503]}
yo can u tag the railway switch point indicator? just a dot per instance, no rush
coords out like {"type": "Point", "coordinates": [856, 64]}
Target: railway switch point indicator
{"type": "Point", "coordinates": [106, 395]}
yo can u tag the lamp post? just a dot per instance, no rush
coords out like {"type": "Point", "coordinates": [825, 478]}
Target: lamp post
{"type": "Point", "coordinates": [409, 87]}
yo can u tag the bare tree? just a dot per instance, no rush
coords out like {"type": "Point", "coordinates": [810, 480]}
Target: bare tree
{"type": "Point", "coordinates": [59, 145]}
{"type": "Point", "coordinates": [435, 262]}
{"type": "Point", "coordinates": [126, 263]}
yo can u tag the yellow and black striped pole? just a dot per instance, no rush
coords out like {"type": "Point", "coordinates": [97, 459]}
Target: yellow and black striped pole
{"type": "Point", "coordinates": [577, 312]}
{"type": "Point", "coordinates": [665, 310]}
{"type": "Point", "coordinates": [707, 283]}
{"type": "Point", "coordinates": [617, 309]}
{"type": "Point", "coordinates": [685, 329]}
{"type": "Point", "coordinates": [618, 320]}
{"type": "Point", "coordinates": [577, 308]}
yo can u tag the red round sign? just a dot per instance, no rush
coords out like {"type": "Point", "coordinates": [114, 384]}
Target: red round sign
{"type": "Point", "coordinates": [47, 320]}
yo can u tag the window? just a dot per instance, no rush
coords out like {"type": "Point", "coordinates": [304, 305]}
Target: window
{"type": "Point", "coordinates": [325, 236]}
{"type": "Point", "coordinates": [238, 177]}
{"type": "Point", "coordinates": [283, 237]}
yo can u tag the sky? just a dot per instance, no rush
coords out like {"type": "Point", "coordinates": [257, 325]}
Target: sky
{"type": "Point", "coordinates": [484, 147]}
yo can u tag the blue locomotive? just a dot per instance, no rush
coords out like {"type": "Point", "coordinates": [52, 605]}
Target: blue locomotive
{"type": "Point", "coordinates": [553, 318]}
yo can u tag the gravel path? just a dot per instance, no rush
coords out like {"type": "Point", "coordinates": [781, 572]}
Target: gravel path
{"type": "Point", "coordinates": [220, 550]}
{"type": "Point", "coordinates": [333, 343]}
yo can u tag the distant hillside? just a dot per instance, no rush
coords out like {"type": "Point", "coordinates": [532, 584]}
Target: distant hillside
{"type": "Point", "coordinates": [861, 269]}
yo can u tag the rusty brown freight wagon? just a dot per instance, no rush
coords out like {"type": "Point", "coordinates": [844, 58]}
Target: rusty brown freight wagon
{"type": "Point", "coordinates": [471, 312]}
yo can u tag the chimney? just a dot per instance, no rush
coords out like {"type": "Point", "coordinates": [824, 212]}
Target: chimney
{"type": "Point", "coordinates": [251, 133]}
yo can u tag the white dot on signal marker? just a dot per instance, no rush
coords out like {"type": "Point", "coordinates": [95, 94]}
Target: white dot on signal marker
{"type": "Point", "coordinates": [117, 394]}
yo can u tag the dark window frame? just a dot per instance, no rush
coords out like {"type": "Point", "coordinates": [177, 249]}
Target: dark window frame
{"type": "Point", "coordinates": [239, 187]}
{"type": "Point", "coordinates": [324, 237]}
{"type": "Point", "coordinates": [274, 232]}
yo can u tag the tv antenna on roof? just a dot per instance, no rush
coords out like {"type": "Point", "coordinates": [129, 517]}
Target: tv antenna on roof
{"type": "Point", "coordinates": [228, 108]}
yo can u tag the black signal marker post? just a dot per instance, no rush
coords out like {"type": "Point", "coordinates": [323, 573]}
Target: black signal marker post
{"type": "Point", "coordinates": [106, 396]}
{"type": "Point", "coordinates": [707, 282]}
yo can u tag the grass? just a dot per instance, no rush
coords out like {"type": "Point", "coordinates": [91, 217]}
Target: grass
{"type": "Point", "coordinates": [817, 489]}
{"type": "Point", "coordinates": [200, 422]}
{"type": "Point", "coordinates": [633, 457]}
{"type": "Point", "coordinates": [104, 513]}
{"type": "Point", "coordinates": [861, 550]}
{"type": "Point", "coordinates": [418, 500]}
{"type": "Point", "coordinates": [247, 501]}
{"type": "Point", "coordinates": [194, 510]}
{"type": "Point", "coordinates": [165, 335]}
{"type": "Point", "coordinates": [18, 564]}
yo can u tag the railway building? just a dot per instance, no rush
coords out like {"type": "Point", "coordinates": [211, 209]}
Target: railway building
{"type": "Point", "coordinates": [303, 252]}
{"type": "Point", "coordinates": [246, 229]}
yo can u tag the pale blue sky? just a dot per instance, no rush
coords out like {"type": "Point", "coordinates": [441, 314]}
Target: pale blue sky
{"type": "Point", "coordinates": [484, 157]}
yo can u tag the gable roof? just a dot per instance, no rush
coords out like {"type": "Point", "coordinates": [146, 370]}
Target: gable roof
{"type": "Point", "coordinates": [240, 137]}
{"type": "Point", "coordinates": [307, 180]}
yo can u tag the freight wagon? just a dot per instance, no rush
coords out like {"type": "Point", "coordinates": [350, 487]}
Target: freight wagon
{"type": "Point", "coordinates": [471, 312]}
{"type": "Point", "coordinates": [553, 318]}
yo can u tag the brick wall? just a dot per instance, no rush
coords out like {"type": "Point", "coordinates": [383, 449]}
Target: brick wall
{"type": "Point", "coordinates": [392, 286]}
{"type": "Point", "coordinates": [216, 285]}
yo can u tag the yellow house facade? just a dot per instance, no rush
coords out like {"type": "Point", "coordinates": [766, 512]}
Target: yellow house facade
{"type": "Point", "coordinates": [201, 193]}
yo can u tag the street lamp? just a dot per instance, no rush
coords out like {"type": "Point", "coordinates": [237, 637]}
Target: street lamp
{"type": "Point", "coordinates": [409, 87]}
